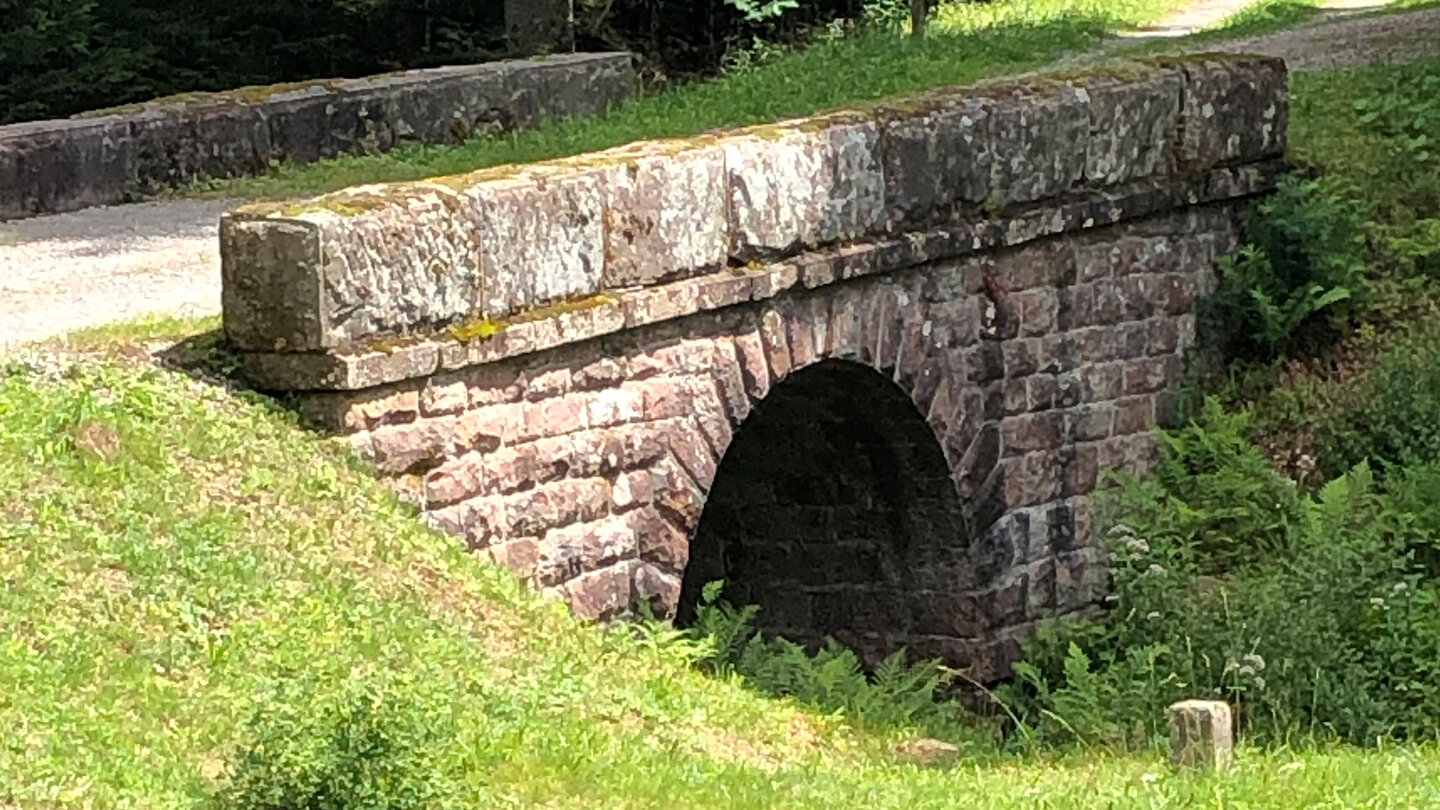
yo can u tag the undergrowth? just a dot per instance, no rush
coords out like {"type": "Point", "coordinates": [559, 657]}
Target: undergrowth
{"type": "Point", "coordinates": [1282, 555]}
{"type": "Point", "coordinates": [896, 694]}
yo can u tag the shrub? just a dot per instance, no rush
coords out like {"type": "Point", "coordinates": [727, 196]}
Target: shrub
{"type": "Point", "coordinates": [1393, 416]}
{"type": "Point", "coordinates": [1298, 278]}
{"type": "Point", "coordinates": [1215, 494]}
{"type": "Point", "coordinates": [378, 742]}
{"type": "Point", "coordinates": [1335, 633]}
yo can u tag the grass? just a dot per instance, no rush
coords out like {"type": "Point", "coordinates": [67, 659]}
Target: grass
{"type": "Point", "coordinates": [968, 41]}
{"type": "Point", "coordinates": [1264, 17]}
{"type": "Point", "coordinates": [175, 556]}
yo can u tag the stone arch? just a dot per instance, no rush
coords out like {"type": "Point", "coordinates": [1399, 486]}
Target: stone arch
{"type": "Point", "coordinates": [834, 511]}
{"type": "Point", "coordinates": [894, 373]}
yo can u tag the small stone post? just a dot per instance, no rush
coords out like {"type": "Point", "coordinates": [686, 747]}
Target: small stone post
{"type": "Point", "coordinates": [1201, 735]}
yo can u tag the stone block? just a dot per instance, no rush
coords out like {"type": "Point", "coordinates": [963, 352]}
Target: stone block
{"type": "Point", "coordinates": [1235, 109]}
{"type": "Point", "coordinates": [658, 589]}
{"type": "Point", "coordinates": [519, 556]}
{"type": "Point", "coordinates": [665, 213]}
{"type": "Point", "coordinates": [935, 156]}
{"type": "Point", "coordinates": [1202, 735]}
{"type": "Point", "coordinates": [271, 287]}
{"type": "Point", "coordinates": [541, 237]}
{"type": "Point", "coordinates": [49, 166]}
{"type": "Point", "coordinates": [172, 146]}
{"type": "Point", "coordinates": [603, 594]}
{"type": "Point", "coordinates": [567, 553]}
{"type": "Point", "coordinates": [1132, 120]}
{"type": "Point", "coordinates": [567, 85]}
{"type": "Point", "coordinates": [1038, 137]}
{"type": "Point", "coordinates": [805, 184]}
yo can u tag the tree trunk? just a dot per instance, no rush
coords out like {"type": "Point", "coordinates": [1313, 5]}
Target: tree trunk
{"type": "Point", "coordinates": [919, 11]}
{"type": "Point", "coordinates": [538, 26]}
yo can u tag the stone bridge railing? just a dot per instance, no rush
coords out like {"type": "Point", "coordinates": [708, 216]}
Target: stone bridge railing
{"type": "Point", "coordinates": [556, 359]}
{"type": "Point", "coordinates": [118, 155]}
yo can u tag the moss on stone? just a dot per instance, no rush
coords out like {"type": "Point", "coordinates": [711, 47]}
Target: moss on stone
{"type": "Point", "coordinates": [248, 95]}
{"type": "Point", "coordinates": [486, 328]}
{"type": "Point", "coordinates": [477, 329]}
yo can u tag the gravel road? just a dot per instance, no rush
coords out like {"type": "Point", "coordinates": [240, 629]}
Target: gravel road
{"type": "Point", "coordinates": [64, 272]}
{"type": "Point", "coordinates": [68, 271]}
{"type": "Point", "coordinates": [1340, 40]}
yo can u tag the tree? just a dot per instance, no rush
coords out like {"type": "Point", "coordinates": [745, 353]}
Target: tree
{"type": "Point", "coordinates": [919, 11]}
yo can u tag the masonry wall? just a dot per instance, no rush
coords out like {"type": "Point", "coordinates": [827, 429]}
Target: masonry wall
{"type": "Point", "coordinates": [586, 468]}
{"type": "Point", "coordinates": [118, 155]}
{"type": "Point", "coordinates": [554, 361]}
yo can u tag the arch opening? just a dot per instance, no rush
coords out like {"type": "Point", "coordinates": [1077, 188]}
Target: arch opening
{"type": "Point", "coordinates": [834, 511]}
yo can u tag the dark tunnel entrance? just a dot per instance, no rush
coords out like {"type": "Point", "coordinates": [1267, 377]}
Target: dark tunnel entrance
{"type": "Point", "coordinates": [833, 510]}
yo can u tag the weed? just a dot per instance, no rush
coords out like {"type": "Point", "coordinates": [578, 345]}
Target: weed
{"type": "Point", "coordinates": [1309, 614]}
{"type": "Point", "coordinates": [897, 695]}
{"type": "Point", "coordinates": [1299, 279]}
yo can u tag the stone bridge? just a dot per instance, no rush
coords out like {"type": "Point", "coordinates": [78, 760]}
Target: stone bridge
{"type": "Point", "coordinates": [865, 367]}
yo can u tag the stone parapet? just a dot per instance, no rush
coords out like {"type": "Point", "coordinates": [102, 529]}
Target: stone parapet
{"type": "Point", "coordinates": [114, 156]}
{"type": "Point", "coordinates": [472, 253]}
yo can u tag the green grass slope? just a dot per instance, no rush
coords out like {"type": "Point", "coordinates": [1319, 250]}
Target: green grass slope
{"type": "Point", "coordinates": [187, 576]}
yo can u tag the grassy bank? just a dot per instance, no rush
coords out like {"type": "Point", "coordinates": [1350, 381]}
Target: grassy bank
{"type": "Point", "coordinates": [192, 585]}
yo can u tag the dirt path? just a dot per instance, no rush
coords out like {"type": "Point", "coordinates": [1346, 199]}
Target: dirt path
{"type": "Point", "coordinates": [64, 272]}
{"type": "Point", "coordinates": [1339, 39]}
{"type": "Point", "coordinates": [69, 271]}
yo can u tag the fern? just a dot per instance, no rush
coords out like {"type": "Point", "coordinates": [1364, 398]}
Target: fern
{"type": "Point", "coordinates": [896, 695]}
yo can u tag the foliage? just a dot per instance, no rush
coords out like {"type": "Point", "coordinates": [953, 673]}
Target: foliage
{"type": "Point", "coordinates": [380, 741]}
{"type": "Point", "coordinates": [1372, 131]}
{"type": "Point", "coordinates": [1216, 493]}
{"type": "Point", "coordinates": [1392, 415]}
{"type": "Point", "coordinates": [761, 10]}
{"type": "Point", "coordinates": [64, 56]}
{"type": "Point", "coordinates": [896, 695]}
{"type": "Point", "coordinates": [1406, 116]}
{"type": "Point", "coordinates": [1301, 268]}
{"type": "Point", "coordinates": [1335, 633]}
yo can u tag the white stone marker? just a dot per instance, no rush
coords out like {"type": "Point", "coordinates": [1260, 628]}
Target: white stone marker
{"type": "Point", "coordinates": [1201, 735]}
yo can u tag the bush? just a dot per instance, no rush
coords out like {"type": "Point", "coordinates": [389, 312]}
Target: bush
{"type": "Point", "coordinates": [1216, 494]}
{"type": "Point", "coordinates": [1299, 277]}
{"type": "Point", "coordinates": [378, 742]}
{"type": "Point", "coordinates": [1335, 633]}
{"type": "Point", "coordinates": [1393, 413]}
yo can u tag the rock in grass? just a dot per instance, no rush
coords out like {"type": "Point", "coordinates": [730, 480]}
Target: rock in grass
{"type": "Point", "coordinates": [927, 751]}
{"type": "Point", "coordinates": [1201, 735]}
